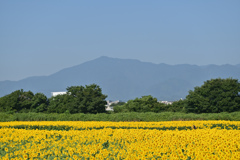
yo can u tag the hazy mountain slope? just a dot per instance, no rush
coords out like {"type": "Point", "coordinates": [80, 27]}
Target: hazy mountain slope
{"type": "Point", "coordinates": [126, 79]}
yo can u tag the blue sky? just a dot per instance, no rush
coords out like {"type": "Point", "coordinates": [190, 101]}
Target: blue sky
{"type": "Point", "coordinates": [42, 37]}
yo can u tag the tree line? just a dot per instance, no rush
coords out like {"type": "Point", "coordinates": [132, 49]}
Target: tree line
{"type": "Point", "coordinates": [214, 96]}
{"type": "Point", "coordinates": [78, 99]}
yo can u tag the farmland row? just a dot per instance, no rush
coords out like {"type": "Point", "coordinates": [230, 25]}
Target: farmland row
{"type": "Point", "coordinates": [207, 141]}
{"type": "Point", "coordinates": [87, 125]}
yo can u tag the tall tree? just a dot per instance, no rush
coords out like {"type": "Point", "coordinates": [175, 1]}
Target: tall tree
{"type": "Point", "coordinates": [60, 104]}
{"type": "Point", "coordinates": [17, 101]}
{"type": "Point", "coordinates": [79, 99]}
{"type": "Point", "coordinates": [25, 101]}
{"type": "Point", "coordinates": [214, 96]}
{"type": "Point", "coordinates": [39, 103]}
{"type": "Point", "coordinates": [143, 104]}
{"type": "Point", "coordinates": [177, 106]}
{"type": "Point", "coordinates": [10, 102]}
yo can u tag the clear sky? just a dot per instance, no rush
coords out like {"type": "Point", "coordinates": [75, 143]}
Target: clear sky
{"type": "Point", "coordinates": [42, 37]}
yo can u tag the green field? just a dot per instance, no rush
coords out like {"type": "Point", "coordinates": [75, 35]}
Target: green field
{"type": "Point", "coordinates": [130, 116]}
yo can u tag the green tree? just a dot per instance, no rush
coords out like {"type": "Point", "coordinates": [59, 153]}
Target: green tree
{"type": "Point", "coordinates": [17, 101]}
{"type": "Point", "coordinates": [79, 99]}
{"type": "Point", "coordinates": [9, 103]}
{"type": "Point", "coordinates": [39, 103]}
{"type": "Point", "coordinates": [214, 96]}
{"type": "Point", "coordinates": [143, 104]}
{"type": "Point", "coordinates": [25, 101]}
{"type": "Point", "coordinates": [177, 106]}
{"type": "Point", "coordinates": [117, 108]}
{"type": "Point", "coordinates": [117, 104]}
{"type": "Point", "coordinates": [60, 104]}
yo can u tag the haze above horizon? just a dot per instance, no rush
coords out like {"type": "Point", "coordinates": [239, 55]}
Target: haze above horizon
{"type": "Point", "coordinates": [42, 37]}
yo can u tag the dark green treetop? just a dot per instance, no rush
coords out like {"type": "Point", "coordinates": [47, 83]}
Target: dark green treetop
{"type": "Point", "coordinates": [79, 99]}
{"type": "Point", "coordinates": [214, 96]}
{"type": "Point", "coordinates": [143, 104]}
{"type": "Point", "coordinates": [23, 101]}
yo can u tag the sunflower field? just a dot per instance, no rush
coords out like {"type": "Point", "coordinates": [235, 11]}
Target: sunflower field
{"type": "Point", "coordinates": [91, 140]}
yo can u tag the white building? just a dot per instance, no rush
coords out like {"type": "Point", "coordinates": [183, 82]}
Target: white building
{"type": "Point", "coordinates": [109, 103]}
{"type": "Point", "coordinates": [165, 102]}
{"type": "Point", "coordinates": [57, 93]}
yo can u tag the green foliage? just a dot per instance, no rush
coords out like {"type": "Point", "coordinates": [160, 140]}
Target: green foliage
{"type": "Point", "coordinates": [117, 117]}
{"type": "Point", "coordinates": [79, 99]}
{"type": "Point", "coordinates": [177, 106]}
{"type": "Point", "coordinates": [59, 104]}
{"type": "Point", "coordinates": [144, 104]}
{"type": "Point", "coordinates": [22, 101]}
{"type": "Point", "coordinates": [40, 103]}
{"type": "Point", "coordinates": [215, 96]}
{"type": "Point", "coordinates": [9, 102]}
{"type": "Point", "coordinates": [117, 104]}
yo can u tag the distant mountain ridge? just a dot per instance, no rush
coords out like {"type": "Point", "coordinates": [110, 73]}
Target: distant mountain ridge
{"type": "Point", "coordinates": [124, 79]}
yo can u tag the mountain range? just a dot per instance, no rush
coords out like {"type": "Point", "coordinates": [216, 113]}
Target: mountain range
{"type": "Point", "coordinates": [124, 79]}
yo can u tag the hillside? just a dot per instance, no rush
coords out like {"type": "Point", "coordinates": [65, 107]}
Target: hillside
{"type": "Point", "coordinates": [124, 79]}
